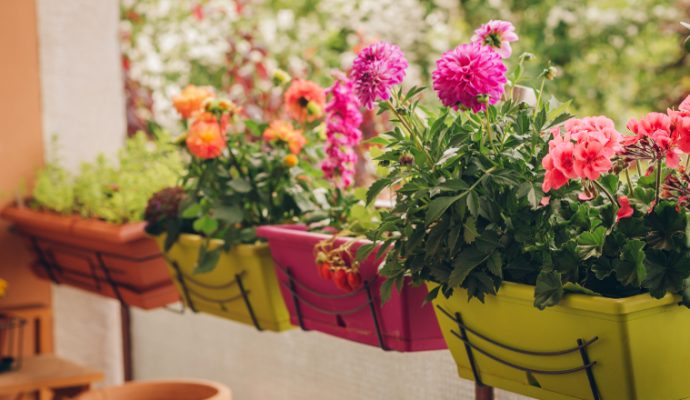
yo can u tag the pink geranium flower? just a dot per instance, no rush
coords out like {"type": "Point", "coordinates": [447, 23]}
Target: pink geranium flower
{"type": "Point", "coordinates": [680, 122]}
{"type": "Point", "coordinates": [558, 163]}
{"type": "Point", "coordinates": [468, 73]}
{"type": "Point", "coordinates": [376, 70]}
{"type": "Point", "coordinates": [590, 158]}
{"type": "Point", "coordinates": [598, 128]}
{"type": "Point", "coordinates": [625, 211]}
{"type": "Point", "coordinates": [496, 35]}
{"type": "Point", "coordinates": [652, 140]}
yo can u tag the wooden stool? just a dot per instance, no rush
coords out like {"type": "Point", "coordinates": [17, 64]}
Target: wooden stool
{"type": "Point", "coordinates": [42, 373]}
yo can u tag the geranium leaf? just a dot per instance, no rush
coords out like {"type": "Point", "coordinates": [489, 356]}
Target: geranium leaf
{"type": "Point", "coordinates": [548, 290]}
{"type": "Point", "coordinates": [630, 268]}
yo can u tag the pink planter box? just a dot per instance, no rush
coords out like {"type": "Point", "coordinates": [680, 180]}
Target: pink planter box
{"type": "Point", "coordinates": [404, 323]}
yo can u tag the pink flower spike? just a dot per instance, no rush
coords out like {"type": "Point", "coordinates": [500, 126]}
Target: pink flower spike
{"type": "Point", "coordinates": [496, 35]}
{"type": "Point", "coordinates": [467, 73]}
{"type": "Point", "coordinates": [625, 211]}
{"type": "Point", "coordinates": [375, 70]}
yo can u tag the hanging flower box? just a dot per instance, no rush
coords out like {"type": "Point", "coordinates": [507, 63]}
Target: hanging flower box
{"type": "Point", "coordinates": [404, 323]}
{"type": "Point", "coordinates": [117, 261]}
{"type": "Point", "coordinates": [242, 287]}
{"type": "Point", "coordinates": [587, 347]}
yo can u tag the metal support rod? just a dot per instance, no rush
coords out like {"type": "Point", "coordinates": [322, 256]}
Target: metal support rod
{"type": "Point", "coordinates": [43, 261]}
{"type": "Point", "coordinates": [372, 309]}
{"type": "Point", "coordinates": [295, 299]}
{"type": "Point", "coordinates": [482, 392]}
{"type": "Point", "coordinates": [245, 297]}
{"type": "Point", "coordinates": [109, 278]}
{"type": "Point", "coordinates": [468, 350]}
{"type": "Point", "coordinates": [588, 371]}
{"type": "Point", "coordinates": [185, 290]}
{"type": "Point", "coordinates": [126, 325]}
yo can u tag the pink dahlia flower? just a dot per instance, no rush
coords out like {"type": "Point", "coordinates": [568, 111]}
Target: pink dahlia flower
{"type": "Point", "coordinates": [466, 74]}
{"type": "Point", "coordinates": [497, 35]}
{"type": "Point", "coordinates": [376, 69]}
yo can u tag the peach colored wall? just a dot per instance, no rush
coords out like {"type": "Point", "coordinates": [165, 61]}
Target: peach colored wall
{"type": "Point", "coordinates": [21, 139]}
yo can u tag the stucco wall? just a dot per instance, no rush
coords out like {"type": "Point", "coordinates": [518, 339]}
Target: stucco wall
{"type": "Point", "coordinates": [83, 102]}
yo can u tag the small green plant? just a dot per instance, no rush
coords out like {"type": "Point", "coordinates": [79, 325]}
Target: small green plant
{"type": "Point", "coordinates": [116, 192]}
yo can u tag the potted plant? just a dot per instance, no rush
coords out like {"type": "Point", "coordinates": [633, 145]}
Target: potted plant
{"type": "Point", "coordinates": [87, 230]}
{"type": "Point", "coordinates": [555, 249]}
{"type": "Point", "coordinates": [324, 286]}
{"type": "Point", "coordinates": [242, 174]}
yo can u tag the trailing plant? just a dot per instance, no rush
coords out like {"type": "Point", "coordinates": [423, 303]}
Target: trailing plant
{"type": "Point", "coordinates": [492, 189]}
{"type": "Point", "coordinates": [114, 192]}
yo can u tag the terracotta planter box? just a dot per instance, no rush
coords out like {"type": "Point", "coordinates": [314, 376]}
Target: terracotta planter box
{"type": "Point", "coordinates": [117, 261]}
{"type": "Point", "coordinates": [587, 347]}
{"type": "Point", "coordinates": [404, 323]}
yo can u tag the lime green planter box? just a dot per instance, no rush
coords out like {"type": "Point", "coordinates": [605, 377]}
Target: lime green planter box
{"type": "Point", "coordinates": [242, 287]}
{"type": "Point", "coordinates": [636, 348]}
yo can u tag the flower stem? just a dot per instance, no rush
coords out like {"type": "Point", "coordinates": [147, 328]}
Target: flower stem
{"type": "Point", "coordinates": [608, 194]}
{"type": "Point", "coordinates": [658, 184]}
{"type": "Point", "coordinates": [639, 168]}
{"type": "Point", "coordinates": [410, 130]}
{"type": "Point", "coordinates": [490, 131]}
{"type": "Point", "coordinates": [627, 178]}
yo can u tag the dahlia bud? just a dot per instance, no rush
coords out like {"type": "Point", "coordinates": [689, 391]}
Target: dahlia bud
{"type": "Point", "coordinates": [281, 77]}
{"type": "Point", "coordinates": [526, 57]}
{"type": "Point", "coordinates": [483, 99]}
{"type": "Point", "coordinates": [290, 160]}
{"type": "Point", "coordinates": [164, 204]}
{"type": "Point", "coordinates": [406, 159]}
{"type": "Point", "coordinates": [550, 73]}
{"type": "Point", "coordinates": [314, 110]}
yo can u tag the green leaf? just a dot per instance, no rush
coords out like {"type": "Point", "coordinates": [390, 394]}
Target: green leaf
{"type": "Point", "coordinates": [630, 268]}
{"type": "Point", "coordinates": [666, 272]}
{"type": "Point", "coordinates": [495, 264]}
{"type": "Point", "coordinates": [229, 214]}
{"type": "Point", "coordinates": [364, 251]}
{"type": "Point", "coordinates": [240, 185]}
{"type": "Point", "coordinates": [666, 227]}
{"type": "Point", "coordinates": [469, 232]}
{"type": "Point", "coordinates": [376, 188]}
{"type": "Point", "coordinates": [473, 203]}
{"type": "Point", "coordinates": [438, 206]}
{"type": "Point", "coordinates": [464, 263]}
{"type": "Point", "coordinates": [610, 182]}
{"type": "Point", "coordinates": [548, 290]}
{"type": "Point", "coordinates": [207, 259]}
{"type": "Point", "coordinates": [192, 211]}
{"type": "Point", "coordinates": [206, 225]}
{"type": "Point", "coordinates": [590, 244]}
{"type": "Point", "coordinates": [572, 287]}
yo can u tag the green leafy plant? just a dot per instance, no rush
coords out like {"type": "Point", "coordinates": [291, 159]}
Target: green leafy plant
{"type": "Point", "coordinates": [114, 192]}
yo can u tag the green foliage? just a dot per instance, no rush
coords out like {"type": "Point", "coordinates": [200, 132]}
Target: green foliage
{"type": "Point", "coordinates": [469, 211]}
{"type": "Point", "coordinates": [114, 192]}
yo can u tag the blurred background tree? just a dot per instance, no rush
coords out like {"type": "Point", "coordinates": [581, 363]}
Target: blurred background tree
{"type": "Point", "coordinates": [615, 57]}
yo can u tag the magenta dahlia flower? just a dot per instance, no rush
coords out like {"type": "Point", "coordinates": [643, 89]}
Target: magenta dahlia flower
{"type": "Point", "coordinates": [469, 74]}
{"type": "Point", "coordinates": [375, 70]}
{"type": "Point", "coordinates": [497, 35]}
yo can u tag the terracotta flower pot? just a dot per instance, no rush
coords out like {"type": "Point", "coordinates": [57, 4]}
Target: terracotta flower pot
{"type": "Point", "coordinates": [403, 323]}
{"type": "Point", "coordinates": [117, 261]}
{"type": "Point", "coordinates": [162, 390]}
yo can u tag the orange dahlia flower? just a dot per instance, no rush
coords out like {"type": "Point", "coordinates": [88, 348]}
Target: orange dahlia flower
{"type": "Point", "coordinates": [205, 139]}
{"type": "Point", "coordinates": [283, 131]}
{"type": "Point", "coordinates": [192, 99]}
{"type": "Point", "coordinates": [305, 100]}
